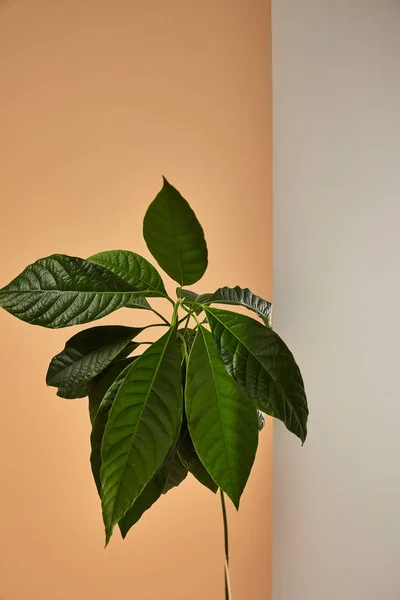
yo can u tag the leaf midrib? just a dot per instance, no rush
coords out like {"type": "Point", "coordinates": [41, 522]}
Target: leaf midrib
{"type": "Point", "coordinates": [138, 421]}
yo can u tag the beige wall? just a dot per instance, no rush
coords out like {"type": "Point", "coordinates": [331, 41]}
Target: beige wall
{"type": "Point", "coordinates": [97, 100]}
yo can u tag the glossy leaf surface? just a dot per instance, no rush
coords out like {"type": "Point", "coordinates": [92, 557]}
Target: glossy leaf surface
{"type": "Point", "coordinates": [142, 426]}
{"type": "Point", "coordinates": [60, 290]}
{"type": "Point", "coordinates": [241, 297]}
{"type": "Point", "coordinates": [222, 423]}
{"type": "Point", "coordinates": [175, 237]}
{"type": "Point", "coordinates": [133, 269]}
{"type": "Point", "coordinates": [263, 367]}
{"type": "Point", "coordinates": [86, 355]}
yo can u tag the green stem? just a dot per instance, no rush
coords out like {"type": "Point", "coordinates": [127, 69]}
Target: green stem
{"type": "Point", "coordinates": [228, 595]}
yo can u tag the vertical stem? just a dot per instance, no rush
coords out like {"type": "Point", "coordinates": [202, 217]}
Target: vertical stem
{"type": "Point", "coordinates": [228, 595]}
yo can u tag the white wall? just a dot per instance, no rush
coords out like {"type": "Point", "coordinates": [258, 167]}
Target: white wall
{"type": "Point", "coordinates": [337, 295]}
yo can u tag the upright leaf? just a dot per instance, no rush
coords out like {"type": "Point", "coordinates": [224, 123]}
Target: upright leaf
{"type": "Point", "coordinates": [240, 297]}
{"type": "Point", "coordinates": [263, 367]}
{"type": "Point", "coordinates": [60, 290]}
{"type": "Point", "coordinates": [222, 423]}
{"type": "Point", "coordinates": [132, 268]}
{"type": "Point", "coordinates": [86, 355]}
{"type": "Point", "coordinates": [175, 237]}
{"type": "Point", "coordinates": [143, 423]}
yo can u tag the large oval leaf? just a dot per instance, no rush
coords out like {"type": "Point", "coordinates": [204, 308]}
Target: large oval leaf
{"type": "Point", "coordinates": [60, 290]}
{"type": "Point", "coordinates": [132, 268]}
{"type": "Point", "coordinates": [175, 237]}
{"type": "Point", "coordinates": [143, 424]}
{"type": "Point", "coordinates": [222, 423]}
{"type": "Point", "coordinates": [86, 355]}
{"type": "Point", "coordinates": [263, 366]}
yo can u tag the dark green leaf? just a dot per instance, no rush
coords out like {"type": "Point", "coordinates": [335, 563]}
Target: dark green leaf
{"type": "Point", "coordinates": [60, 290]}
{"type": "Point", "coordinates": [147, 498]}
{"type": "Point", "coordinates": [263, 367]}
{"type": "Point", "coordinates": [175, 237]}
{"type": "Point", "coordinates": [241, 297]}
{"type": "Point", "coordinates": [132, 268]}
{"type": "Point", "coordinates": [71, 392]}
{"type": "Point", "coordinates": [99, 425]}
{"type": "Point", "coordinates": [142, 426]}
{"type": "Point", "coordinates": [86, 355]}
{"type": "Point", "coordinates": [194, 300]}
{"type": "Point", "coordinates": [222, 423]}
{"type": "Point", "coordinates": [103, 382]}
{"type": "Point", "coordinates": [177, 472]}
{"type": "Point", "coordinates": [129, 348]}
{"type": "Point", "coordinates": [192, 462]}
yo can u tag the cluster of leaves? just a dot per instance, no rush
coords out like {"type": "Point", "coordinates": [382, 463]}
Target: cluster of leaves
{"type": "Point", "coordinates": [190, 401]}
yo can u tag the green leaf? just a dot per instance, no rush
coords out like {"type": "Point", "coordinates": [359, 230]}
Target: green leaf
{"type": "Point", "coordinates": [100, 422]}
{"type": "Point", "coordinates": [86, 355]}
{"type": "Point", "coordinates": [194, 300]}
{"type": "Point", "coordinates": [147, 498]}
{"type": "Point", "coordinates": [222, 423]}
{"type": "Point", "coordinates": [241, 297]}
{"type": "Point", "coordinates": [175, 237]}
{"type": "Point", "coordinates": [263, 367]}
{"type": "Point", "coordinates": [103, 382]}
{"type": "Point", "coordinates": [142, 426]}
{"type": "Point", "coordinates": [59, 291]}
{"type": "Point", "coordinates": [132, 268]}
{"type": "Point", "coordinates": [192, 462]}
{"type": "Point", "coordinates": [71, 392]}
{"type": "Point", "coordinates": [177, 472]}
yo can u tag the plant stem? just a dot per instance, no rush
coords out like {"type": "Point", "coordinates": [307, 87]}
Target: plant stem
{"type": "Point", "coordinates": [228, 595]}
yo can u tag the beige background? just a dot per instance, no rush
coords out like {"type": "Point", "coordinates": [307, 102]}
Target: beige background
{"type": "Point", "coordinates": [98, 99]}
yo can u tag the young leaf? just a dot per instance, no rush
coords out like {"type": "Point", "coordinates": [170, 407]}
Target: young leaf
{"type": "Point", "coordinates": [60, 290]}
{"type": "Point", "coordinates": [263, 367]}
{"type": "Point", "coordinates": [86, 354]}
{"type": "Point", "coordinates": [142, 426]}
{"type": "Point", "coordinates": [132, 268]}
{"type": "Point", "coordinates": [240, 297]}
{"type": "Point", "coordinates": [175, 237]}
{"type": "Point", "coordinates": [191, 297]}
{"type": "Point", "coordinates": [103, 382]}
{"type": "Point", "coordinates": [222, 423]}
{"type": "Point", "coordinates": [192, 462]}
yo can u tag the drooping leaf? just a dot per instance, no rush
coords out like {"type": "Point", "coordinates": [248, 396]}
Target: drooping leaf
{"type": "Point", "coordinates": [241, 297]}
{"type": "Point", "coordinates": [192, 462]}
{"type": "Point", "coordinates": [175, 237]}
{"type": "Point", "coordinates": [71, 392]}
{"type": "Point", "coordinates": [125, 352]}
{"type": "Point", "coordinates": [222, 423]}
{"type": "Point", "coordinates": [132, 268]}
{"type": "Point", "coordinates": [142, 426]}
{"type": "Point", "coordinates": [147, 498]}
{"type": "Point", "coordinates": [59, 291]}
{"type": "Point", "coordinates": [86, 355]}
{"type": "Point", "coordinates": [263, 367]}
{"type": "Point", "coordinates": [103, 382]}
{"type": "Point", "coordinates": [99, 425]}
{"type": "Point", "coordinates": [177, 472]}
